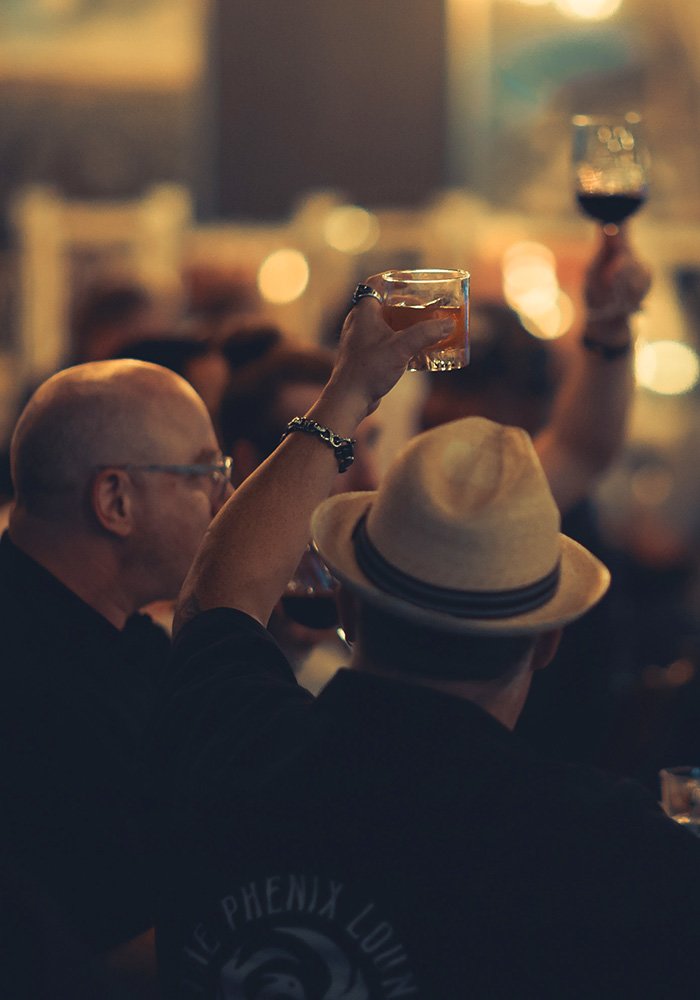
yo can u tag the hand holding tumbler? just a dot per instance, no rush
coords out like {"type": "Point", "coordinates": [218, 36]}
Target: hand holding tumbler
{"type": "Point", "coordinates": [410, 297]}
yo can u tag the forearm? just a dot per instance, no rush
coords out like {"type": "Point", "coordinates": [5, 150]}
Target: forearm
{"type": "Point", "coordinates": [589, 417]}
{"type": "Point", "coordinates": [254, 544]}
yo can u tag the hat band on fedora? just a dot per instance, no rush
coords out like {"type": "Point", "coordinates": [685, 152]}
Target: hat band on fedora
{"type": "Point", "coordinates": [460, 603]}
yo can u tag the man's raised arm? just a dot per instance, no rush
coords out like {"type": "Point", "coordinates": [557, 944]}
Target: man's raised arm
{"type": "Point", "coordinates": [255, 542]}
{"type": "Point", "coordinates": [588, 423]}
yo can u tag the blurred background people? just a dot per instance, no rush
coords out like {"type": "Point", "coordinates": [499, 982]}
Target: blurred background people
{"type": "Point", "coordinates": [272, 381]}
{"type": "Point", "coordinates": [215, 295]}
{"type": "Point", "coordinates": [199, 361]}
{"type": "Point", "coordinates": [111, 314]}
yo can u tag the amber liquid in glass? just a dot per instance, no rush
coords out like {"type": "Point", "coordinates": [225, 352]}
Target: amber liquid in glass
{"type": "Point", "coordinates": [401, 315]}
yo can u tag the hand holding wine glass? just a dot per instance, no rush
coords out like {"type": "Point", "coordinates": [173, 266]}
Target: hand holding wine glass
{"type": "Point", "coordinates": [611, 168]}
{"type": "Point", "coordinates": [616, 284]}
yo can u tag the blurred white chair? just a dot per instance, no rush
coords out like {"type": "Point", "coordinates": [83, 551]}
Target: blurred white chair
{"type": "Point", "coordinates": [141, 238]}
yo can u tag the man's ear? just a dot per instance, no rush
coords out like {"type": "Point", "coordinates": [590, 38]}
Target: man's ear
{"type": "Point", "coordinates": [112, 501]}
{"type": "Point", "coordinates": [347, 609]}
{"type": "Point", "coordinates": [545, 649]}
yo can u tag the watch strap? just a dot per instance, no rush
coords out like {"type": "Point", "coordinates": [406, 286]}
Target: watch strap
{"type": "Point", "coordinates": [606, 351]}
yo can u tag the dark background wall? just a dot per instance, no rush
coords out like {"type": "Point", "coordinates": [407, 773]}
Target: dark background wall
{"type": "Point", "coordinates": [318, 93]}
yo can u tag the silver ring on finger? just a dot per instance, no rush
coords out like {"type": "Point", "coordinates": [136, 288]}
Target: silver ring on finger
{"type": "Point", "coordinates": [364, 292]}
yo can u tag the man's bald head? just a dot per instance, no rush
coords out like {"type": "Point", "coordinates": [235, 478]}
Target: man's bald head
{"type": "Point", "coordinates": [103, 413]}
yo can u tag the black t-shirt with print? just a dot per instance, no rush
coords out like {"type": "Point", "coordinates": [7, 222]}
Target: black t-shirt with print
{"type": "Point", "coordinates": [386, 840]}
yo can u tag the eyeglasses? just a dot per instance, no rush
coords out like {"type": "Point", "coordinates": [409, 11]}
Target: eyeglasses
{"type": "Point", "coordinates": [219, 472]}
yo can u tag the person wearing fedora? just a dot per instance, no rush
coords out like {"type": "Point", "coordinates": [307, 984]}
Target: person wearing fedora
{"type": "Point", "coordinates": [392, 837]}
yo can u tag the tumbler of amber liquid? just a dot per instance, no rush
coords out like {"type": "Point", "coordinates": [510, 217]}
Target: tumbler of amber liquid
{"type": "Point", "coordinates": [412, 296]}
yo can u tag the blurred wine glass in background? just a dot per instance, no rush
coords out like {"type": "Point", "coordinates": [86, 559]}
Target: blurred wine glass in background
{"type": "Point", "coordinates": [611, 167]}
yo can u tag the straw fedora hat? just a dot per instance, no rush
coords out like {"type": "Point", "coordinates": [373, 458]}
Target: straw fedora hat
{"type": "Point", "coordinates": [462, 536]}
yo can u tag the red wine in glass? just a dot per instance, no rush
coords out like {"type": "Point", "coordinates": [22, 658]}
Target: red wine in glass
{"type": "Point", "coordinates": [309, 597]}
{"type": "Point", "coordinates": [610, 209]}
{"type": "Point", "coordinates": [314, 610]}
{"type": "Point", "coordinates": [610, 164]}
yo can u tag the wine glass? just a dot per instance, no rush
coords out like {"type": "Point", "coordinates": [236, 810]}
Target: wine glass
{"type": "Point", "coordinates": [309, 597]}
{"type": "Point", "coordinates": [611, 167]}
{"type": "Point", "coordinates": [680, 796]}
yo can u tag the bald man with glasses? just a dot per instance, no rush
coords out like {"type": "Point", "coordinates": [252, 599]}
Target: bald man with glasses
{"type": "Point", "coordinates": [117, 475]}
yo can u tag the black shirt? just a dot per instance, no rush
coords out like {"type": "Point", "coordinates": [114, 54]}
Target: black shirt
{"type": "Point", "coordinates": [75, 694]}
{"type": "Point", "coordinates": [387, 840]}
{"type": "Point", "coordinates": [571, 707]}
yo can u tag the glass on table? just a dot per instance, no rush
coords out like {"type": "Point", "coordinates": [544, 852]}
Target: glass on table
{"type": "Point", "coordinates": [410, 297]}
{"type": "Point", "coordinates": [680, 796]}
{"type": "Point", "coordinates": [611, 167]}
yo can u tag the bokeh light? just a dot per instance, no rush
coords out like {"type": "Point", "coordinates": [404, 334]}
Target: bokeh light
{"type": "Point", "coordinates": [351, 229]}
{"type": "Point", "coordinates": [667, 367]}
{"type": "Point", "coordinates": [553, 322]}
{"type": "Point", "coordinates": [59, 6]}
{"type": "Point", "coordinates": [283, 276]}
{"type": "Point", "coordinates": [529, 250]}
{"type": "Point", "coordinates": [530, 287]}
{"type": "Point", "coordinates": [589, 10]}
{"type": "Point", "coordinates": [529, 278]}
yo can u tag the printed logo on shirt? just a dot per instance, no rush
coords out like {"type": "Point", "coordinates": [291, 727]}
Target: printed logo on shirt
{"type": "Point", "coordinates": [295, 937]}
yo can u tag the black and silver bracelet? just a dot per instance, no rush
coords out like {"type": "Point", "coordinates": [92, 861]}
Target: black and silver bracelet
{"type": "Point", "coordinates": [342, 447]}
